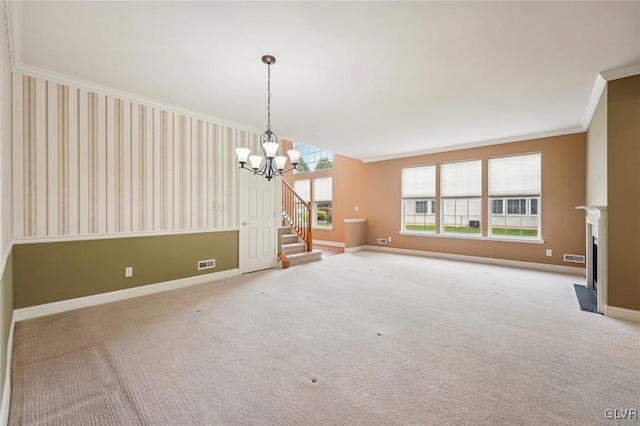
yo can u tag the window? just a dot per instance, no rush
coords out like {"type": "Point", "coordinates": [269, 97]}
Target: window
{"type": "Point", "coordinates": [303, 189]}
{"type": "Point", "coordinates": [425, 207]}
{"type": "Point", "coordinates": [497, 206]}
{"type": "Point", "coordinates": [322, 202]}
{"type": "Point", "coordinates": [461, 191]}
{"type": "Point", "coordinates": [515, 181]}
{"type": "Point", "coordinates": [418, 199]}
{"type": "Point", "coordinates": [313, 159]}
{"type": "Point", "coordinates": [516, 206]}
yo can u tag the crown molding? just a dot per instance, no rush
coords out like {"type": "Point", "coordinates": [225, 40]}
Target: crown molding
{"type": "Point", "coordinates": [622, 72]}
{"type": "Point", "coordinates": [14, 18]}
{"type": "Point", "coordinates": [479, 144]}
{"type": "Point", "coordinates": [592, 104]}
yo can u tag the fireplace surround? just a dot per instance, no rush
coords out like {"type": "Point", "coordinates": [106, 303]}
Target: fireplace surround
{"type": "Point", "coordinates": [596, 249]}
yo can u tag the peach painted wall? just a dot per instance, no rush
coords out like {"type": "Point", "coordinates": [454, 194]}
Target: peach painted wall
{"type": "Point", "coordinates": [563, 188]}
{"type": "Point", "coordinates": [375, 189]}
{"type": "Point", "coordinates": [349, 175]}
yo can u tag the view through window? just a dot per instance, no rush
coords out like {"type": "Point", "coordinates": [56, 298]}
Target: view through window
{"type": "Point", "coordinates": [313, 158]}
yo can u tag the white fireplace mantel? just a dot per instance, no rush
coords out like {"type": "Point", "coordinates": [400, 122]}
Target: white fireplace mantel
{"type": "Point", "coordinates": [596, 232]}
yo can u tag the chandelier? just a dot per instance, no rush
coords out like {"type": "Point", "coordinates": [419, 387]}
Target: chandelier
{"type": "Point", "coordinates": [274, 164]}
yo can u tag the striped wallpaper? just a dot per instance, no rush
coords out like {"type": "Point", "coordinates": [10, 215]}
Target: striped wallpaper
{"type": "Point", "coordinates": [6, 232]}
{"type": "Point", "coordinates": [88, 163]}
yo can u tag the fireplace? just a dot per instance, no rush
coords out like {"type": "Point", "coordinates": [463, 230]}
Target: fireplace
{"type": "Point", "coordinates": [596, 245]}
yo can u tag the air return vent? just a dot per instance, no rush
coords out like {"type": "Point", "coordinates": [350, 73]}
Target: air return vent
{"type": "Point", "coordinates": [576, 258]}
{"type": "Point", "coordinates": [381, 241]}
{"type": "Point", "coordinates": [206, 264]}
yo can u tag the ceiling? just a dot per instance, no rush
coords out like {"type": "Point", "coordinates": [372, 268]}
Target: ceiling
{"type": "Point", "coordinates": [370, 80]}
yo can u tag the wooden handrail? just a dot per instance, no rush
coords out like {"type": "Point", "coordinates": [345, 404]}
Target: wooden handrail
{"type": "Point", "coordinates": [297, 213]}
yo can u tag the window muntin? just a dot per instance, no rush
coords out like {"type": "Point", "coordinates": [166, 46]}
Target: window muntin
{"type": "Point", "coordinates": [313, 158]}
{"type": "Point", "coordinates": [515, 182]}
{"type": "Point", "coordinates": [418, 199]}
{"type": "Point", "coordinates": [461, 216]}
{"type": "Point", "coordinates": [461, 191]}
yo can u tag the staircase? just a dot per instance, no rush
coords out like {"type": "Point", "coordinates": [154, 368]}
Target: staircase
{"type": "Point", "coordinates": [295, 249]}
{"type": "Point", "coordinates": [297, 238]}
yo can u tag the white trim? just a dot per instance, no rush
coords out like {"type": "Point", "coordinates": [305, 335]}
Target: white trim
{"type": "Point", "coordinates": [114, 296]}
{"type": "Point", "coordinates": [530, 136]}
{"type": "Point", "coordinates": [471, 237]}
{"type": "Point", "coordinates": [77, 83]}
{"type": "Point", "coordinates": [6, 390]}
{"type": "Point", "coordinates": [328, 243]}
{"type": "Point", "coordinates": [354, 220]}
{"type": "Point", "coordinates": [35, 240]}
{"type": "Point", "coordinates": [14, 16]}
{"type": "Point", "coordinates": [622, 313]}
{"type": "Point", "coordinates": [594, 98]}
{"type": "Point", "coordinates": [322, 228]}
{"type": "Point", "coordinates": [5, 257]}
{"type": "Point", "coordinates": [477, 259]}
{"type": "Point", "coordinates": [618, 73]}
{"type": "Point", "coordinates": [354, 249]}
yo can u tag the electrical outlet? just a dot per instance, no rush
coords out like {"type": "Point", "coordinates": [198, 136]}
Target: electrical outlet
{"type": "Point", "coordinates": [128, 272]}
{"type": "Point", "coordinates": [549, 252]}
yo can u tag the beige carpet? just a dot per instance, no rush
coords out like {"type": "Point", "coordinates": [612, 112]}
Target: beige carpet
{"type": "Point", "coordinates": [363, 338]}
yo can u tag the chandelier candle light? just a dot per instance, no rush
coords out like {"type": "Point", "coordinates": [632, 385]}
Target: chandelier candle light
{"type": "Point", "coordinates": [275, 164]}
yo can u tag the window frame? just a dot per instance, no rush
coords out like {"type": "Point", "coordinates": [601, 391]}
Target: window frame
{"type": "Point", "coordinates": [459, 197]}
{"type": "Point", "coordinates": [314, 202]}
{"type": "Point", "coordinates": [431, 204]}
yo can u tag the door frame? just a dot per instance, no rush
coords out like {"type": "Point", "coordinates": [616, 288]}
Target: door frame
{"type": "Point", "coordinates": [277, 218]}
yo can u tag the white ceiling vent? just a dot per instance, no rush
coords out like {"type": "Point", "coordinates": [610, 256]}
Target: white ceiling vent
{"type": "Point", "coordinates": [576, 258]}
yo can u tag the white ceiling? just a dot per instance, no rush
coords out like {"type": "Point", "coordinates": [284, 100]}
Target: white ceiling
{"type": "Point", "coordinates": [370, 80]}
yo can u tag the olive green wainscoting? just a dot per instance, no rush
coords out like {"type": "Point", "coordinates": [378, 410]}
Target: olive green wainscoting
{"type": "Point", "coordinates": [55, 271]}
{"type": "Point", "coordinates": [6, 297]}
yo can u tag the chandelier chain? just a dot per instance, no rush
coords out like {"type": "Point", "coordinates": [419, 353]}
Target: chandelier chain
{"type": "Point", "coordinates": [269, 96]}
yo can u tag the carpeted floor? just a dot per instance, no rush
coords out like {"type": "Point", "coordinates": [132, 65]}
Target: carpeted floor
{"type": "Point", "coordinates": [361, 338]}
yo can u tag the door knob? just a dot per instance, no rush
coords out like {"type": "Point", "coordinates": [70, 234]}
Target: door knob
{"type": "Point", "coordinates": [245, 223]}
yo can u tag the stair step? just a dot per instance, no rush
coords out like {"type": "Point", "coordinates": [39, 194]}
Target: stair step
{"type": "Point", "coordinates": [304, 257]}
{"type": "Point", "coordinates": [286, 230]}
{"type": "Point", "coordinates": [290, 238]}
{"type": "Point", "coordinates": [289, 249]}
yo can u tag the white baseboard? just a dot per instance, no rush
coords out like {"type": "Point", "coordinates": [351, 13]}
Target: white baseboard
{"type": "Point", "coordinates": [622, 313]}
{"type": "Point", "coordinates": [6, 390]}
{"type": "Point", "coordinates": [114, 296]}
{"type": "Point", "coordinates": [354, 249]}
{"type": "Point", "coordinates": [328, 243]}
{"type": "Point", "coordinates": [477, 259]}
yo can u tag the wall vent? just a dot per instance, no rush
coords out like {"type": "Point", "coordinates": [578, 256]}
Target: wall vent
{"type": "Point", "coordinates": [381, 241]}
{"type": "Point", "coordinates": [576, 258]}
{"type": "Point", "coordinates": [206, 264]}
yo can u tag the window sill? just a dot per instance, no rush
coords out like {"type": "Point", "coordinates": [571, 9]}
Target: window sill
{"type": "Point", "coordinates": [322, 228]}
{"type": "Point", "coordinates": [472, 237]}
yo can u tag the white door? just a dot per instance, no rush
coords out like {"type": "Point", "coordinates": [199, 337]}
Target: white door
{"type": "Point", "coordinates": [258, 234]}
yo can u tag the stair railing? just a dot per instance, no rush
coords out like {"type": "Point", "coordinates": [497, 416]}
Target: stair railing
{"type": "Point", "coordinates": [297, 213]}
